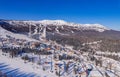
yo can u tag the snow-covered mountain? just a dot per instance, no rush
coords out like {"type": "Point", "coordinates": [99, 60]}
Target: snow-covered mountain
{"type": "Point", "coordinates": [84, 38]}
{"type": "Point", "coordinates": [96, 27]}
{"type": "Point", "coordinates": [55, 23]}
{"type": "Point", "coordinates": [61, 28]}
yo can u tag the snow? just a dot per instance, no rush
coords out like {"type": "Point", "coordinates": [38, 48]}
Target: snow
{"type": "Point", "coordinates": [95, 74]}
{"type": "Point", "coordinates": [108, 53]}
{"type": "Point", "coordinates": [4, 32]}
{"type": "Point", "coordinates": [72, 31]}
{"type": "Point", "coordinates": [96, 27]}
{"type": "Point", "coordinates": [54, 22]}
{"type": "Point", "coordinates": [27, 68]}
{"type": "Point", "coordinates": [56, 29]}
{"type": "Point", "coordinates": [110, 74]}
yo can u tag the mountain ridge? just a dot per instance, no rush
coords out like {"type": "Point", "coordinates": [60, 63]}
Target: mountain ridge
{"type": "Point", "coordinates": [96, 27]}
{"type": "Point", "coordinates": [66, 34]}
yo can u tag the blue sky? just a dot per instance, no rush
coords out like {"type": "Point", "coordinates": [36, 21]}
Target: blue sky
{"type": "Point", "coordinates": [106, 12]}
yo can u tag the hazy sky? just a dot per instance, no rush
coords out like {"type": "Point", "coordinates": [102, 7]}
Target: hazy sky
{"type": "Point", "coordinates": [105, 12]}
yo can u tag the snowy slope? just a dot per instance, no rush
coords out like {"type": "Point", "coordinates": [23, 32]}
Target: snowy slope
{"type": "Point", "coordinates": [4, 32]}
{"type": "Point", "coordinates": [96, 27]}
{"type": "Point", "coordinates": [26, 68]}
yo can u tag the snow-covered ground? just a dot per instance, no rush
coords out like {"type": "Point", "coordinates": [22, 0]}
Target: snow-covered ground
{"type": "Point", "coordinates": [4, 32]}
{"type": "Point", "coordinates": [23, 68]}
{"type": "Point", "coordinates": [108, 53]}
{"type": "Point", "coordinates": [18, 68]}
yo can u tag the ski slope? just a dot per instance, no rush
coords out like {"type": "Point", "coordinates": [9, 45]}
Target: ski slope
{"type": "Point", "coordinates": [4, 33]}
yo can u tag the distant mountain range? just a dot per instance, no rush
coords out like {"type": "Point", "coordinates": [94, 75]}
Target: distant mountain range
{"type": "Point", "coordinates": [58, 23]}
{"type": "Point", "coordinates": [63, 30]}
{"type": "Point", "coordinates": [61, 27]}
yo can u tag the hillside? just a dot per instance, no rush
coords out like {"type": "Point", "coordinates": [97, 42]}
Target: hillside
{"type": "Point", "coordinates": [68, 33]}
{"type": "Point", "coordinates": [58, 48]}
